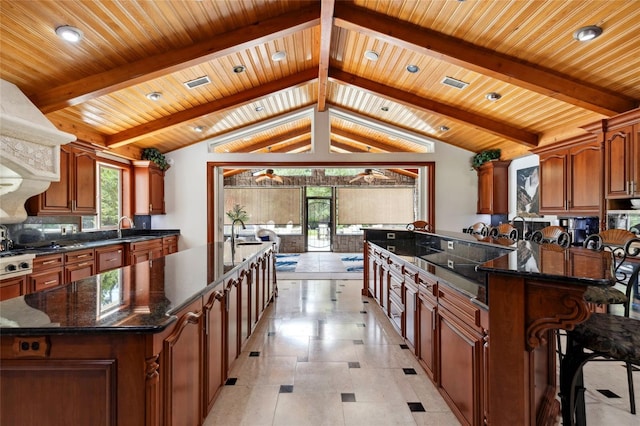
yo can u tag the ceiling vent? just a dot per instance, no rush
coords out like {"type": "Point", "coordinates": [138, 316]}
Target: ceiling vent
{"type": "Point", "coordinates": [200, 81]}
{"type": "Point", "coordinates": [458, 84]}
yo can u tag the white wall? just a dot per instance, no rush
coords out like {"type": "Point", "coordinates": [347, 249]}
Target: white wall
{"type": "Point", "coordinates": [186, 192]}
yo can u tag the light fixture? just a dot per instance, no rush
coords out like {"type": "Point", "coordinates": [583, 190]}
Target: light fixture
{"type": "Point", "coordinates": [413, 68]}
{"type": "Point", "coordinates": [444, 129]}
{"type": "Point", "coordinates": [587, 33]}
{"type": "Point", "coordinates": [198, 129]}
{"type": "Point", "coordinates": [493, 96]}
{"type": "Point", "coordinates": [69, 33]}
{"type": "Point", "coordinates": [259, 108]}
{"type": "Point", "coordinates": [371, 55]}
{"type": "Point", "coordinates": [279, 56]}
{"type": "Point", "coordinates": [239, 68]}
{"type": "Point", "coordinates": [384, 108]}
{"type": "Point", "coordinates": [154, 96]}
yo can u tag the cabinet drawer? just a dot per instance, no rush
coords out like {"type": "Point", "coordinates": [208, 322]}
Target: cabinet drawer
{"type": "Point", "coordinates": [109, 258]}
{"type": "Point", "coordinates": [78, 271]}
{"type": "Point", "coordinates": [12, 287]}
{"type": "Point", "coordinates": [460, 306]}
{"type": "Point", "coordinates": [44, 280]}
{"type": "Point", "coordinates": [169, 244]}
{"type": "Point", "coordinates": [146, 245]}
{"type": "Point", "coordinates": [79, 256]}
{"type": "Point", "coordinates": [47, 262]}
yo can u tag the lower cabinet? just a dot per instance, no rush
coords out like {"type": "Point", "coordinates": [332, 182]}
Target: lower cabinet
{"type": "Point", "coordinates": [13, 287]}
{"type": "Point", "coordinates": [427, 332]}
{"type": "Point", "coordinates": [78, 264]}
{"type": "Point", "coordinates": [142, 251]}
{"type": "Point", "coordinates": [48, 272]}
{"type": "Point", "coordinates": [232, 321]}
{"type": "Point", "coordinates": [109, 257]}
{"type": "Point", "coordinates": [214, 372]}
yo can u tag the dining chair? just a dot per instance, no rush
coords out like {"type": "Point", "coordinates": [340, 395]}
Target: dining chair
{"type": "Point", "coordinates": [504, 230]}
{"type": "Point", "coordinates": [269, 235]}
{"type": "Point", "coordinates": [552, 234]}
{"type": "Point", "coordinates": [479, 228]}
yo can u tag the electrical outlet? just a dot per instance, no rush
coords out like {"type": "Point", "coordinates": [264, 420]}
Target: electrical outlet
{"type": "Point", "coordinates": [63, 231]}
{"type": "Point", "coordinates": [391, 235]}
{"type": "Point", "coordinates": [450, 245]}
{"type": "Point", "coordinates": [30, 346]}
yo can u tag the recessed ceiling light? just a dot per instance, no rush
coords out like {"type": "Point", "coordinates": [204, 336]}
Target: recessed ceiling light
{"type": "Point", "coordinates": [444, 129]}
{"type": "Point", "coordinates": [198, 129]}
{"type": "Point", "coordinates": [493, 96]}
{"type": "Point", "coordinates": [239, 68]}
{"type": "Point", "coordinates": [154, 96]}
{"type": "Point", "coordinates": [259, 108]}
{"type": "Point", "coordinates": [69, 33]}
{"type": "Point", "coordinates": [384, 108]}
{"type": "Point", "coordinates": [587, 33]}
{"type": "Point", "coordinates": [413, 69]}
{"type": "Point", "coordinates": [371, 55]}
{"type": "Point", "coordinates": [279, 55]}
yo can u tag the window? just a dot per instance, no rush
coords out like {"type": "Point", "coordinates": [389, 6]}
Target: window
{"type": "Point", "coordinates": [109, 203]}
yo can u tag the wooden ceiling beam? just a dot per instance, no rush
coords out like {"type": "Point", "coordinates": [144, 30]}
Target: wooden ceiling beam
{"type": "Point", "coordinates": [418, 102]}
{"type": "Point", "coordinates": [234, 101]}
{"type": "Point", "coordinates": [283, 138]}
{"type": "Point", "coordinates": [482, 60]}
{"type": "Point", "coordinates": [326, 26]}
{"type": "Point", "coordinates": [146, 69]}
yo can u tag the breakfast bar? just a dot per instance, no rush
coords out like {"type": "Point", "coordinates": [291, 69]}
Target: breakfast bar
{"type": "Point", "coordinates": [479, 313]}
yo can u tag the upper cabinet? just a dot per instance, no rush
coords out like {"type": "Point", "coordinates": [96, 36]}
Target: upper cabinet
{"type": "Point", "coordinates": [622, 156]}
{"type": "Point", "coordinates": [75, 193]}
{"type": "Point", "coordinates": [148, 188]}
{"type": "Point", "coordinates": [493, 187]}
{"type": "Point", "coordinates": [571, 176]}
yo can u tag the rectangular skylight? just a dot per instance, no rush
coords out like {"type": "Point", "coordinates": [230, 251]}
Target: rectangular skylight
{"type": "Point", "coordinates": [200, 81]}
{"type": "Point", "coordinates": [458, 84]}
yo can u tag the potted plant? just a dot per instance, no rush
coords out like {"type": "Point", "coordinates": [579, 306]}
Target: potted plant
{"type": "Point", "coordinates": [482, 157]}
{"type": "Point", "coordinates": [237, 212]}
{"type": "Point", "coordinates": [152, 154]}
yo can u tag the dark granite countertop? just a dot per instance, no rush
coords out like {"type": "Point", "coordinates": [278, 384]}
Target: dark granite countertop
{"type": "Point", "coordinates": [463, 261]}
{"type": "Point", "coordinates": [140, 298]}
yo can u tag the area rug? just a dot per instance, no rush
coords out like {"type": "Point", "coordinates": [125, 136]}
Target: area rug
{"type": "Point", "coordinates": [353, 262]}
{"type": "Point", "coordinates": [287, 262]}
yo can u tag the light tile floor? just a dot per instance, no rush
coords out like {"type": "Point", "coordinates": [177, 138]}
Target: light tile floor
{"type": "Point", "coordinates": [323, 355]}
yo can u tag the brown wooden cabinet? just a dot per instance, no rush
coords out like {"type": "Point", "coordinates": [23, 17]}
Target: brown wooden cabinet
{"type": "Point", "coordinates": [48, 272]}
{"type": "Point", "coordinates": [214, 372]}
{"type": "Point", "coordinates": [427, 332]}
{"type": "Point", "coordinates": [622, 161]}
{"type": "Point", "coordinates": [571, 177]}
{"type": "Point", "coordinates": [169, 244]}
{"type": "Point", "coordinates": [13, 287]}
{"type": "Point", "coordinates": [148, 188]}
{"type": "Point", "coordinates": [142, 251]}
{"type": "Point", "coordinates": [493, 187]}
{"type": "Point", "coordinates": [109, 257]}
{"type": "Point", "coordinates": [75, 193]}
{"type": "Point", "coordinates": [78, 264]}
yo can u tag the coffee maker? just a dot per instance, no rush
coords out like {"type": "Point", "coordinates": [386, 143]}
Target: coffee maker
{"type": "Point", "coordinates": [580, 227]}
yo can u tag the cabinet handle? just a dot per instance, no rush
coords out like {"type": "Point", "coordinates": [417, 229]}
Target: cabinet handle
{"type": "Point", "coordinates": [85, 264]}
{"type": "Point", "coordinates": [82, 256]}
{"type": "Point", "coordinates": [49, 282]}
{"type": "Point", "coordinates": [119, 251]}
{"type": "Point", "coordinates": [111, 260]}
{"type": "Point", "coordinates": [150, 206]}
{"type": "Point", "coordinates": [433, 319]}
{"type": "Point", "coordinates": [49, 262]}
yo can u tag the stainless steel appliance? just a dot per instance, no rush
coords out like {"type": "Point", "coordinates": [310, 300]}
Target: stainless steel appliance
{"type": "Point", "coordinates": [580, 227]}
{"type": "Point", "coordinates": [15, 263]}
{"type": "Point", "coordinates": [623, 219]}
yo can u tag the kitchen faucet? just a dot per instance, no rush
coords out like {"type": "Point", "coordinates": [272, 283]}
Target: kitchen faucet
{"type": "Point", "coordinates": [233, 236]}
{"type": "Point", "coordinates": [524, 225]}
{"type": "Point", "coordinates": [120, 225]}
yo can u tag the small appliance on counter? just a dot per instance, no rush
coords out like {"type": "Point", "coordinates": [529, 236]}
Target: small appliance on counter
{"type": "Point", "coordinates": [623, 219]}
{"type": "Point", "coordinates": [580, 227]}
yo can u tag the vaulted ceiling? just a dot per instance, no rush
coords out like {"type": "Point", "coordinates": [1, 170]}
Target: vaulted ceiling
{"type": "Point", "coordinates": [550, 84]}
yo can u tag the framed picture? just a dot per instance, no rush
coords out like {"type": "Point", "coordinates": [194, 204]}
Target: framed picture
{"type": "Point", "coordinates": [527, 181]}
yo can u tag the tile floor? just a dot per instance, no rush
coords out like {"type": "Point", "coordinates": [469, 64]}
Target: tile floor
{"type": "Point", "coordinates": [323, 355]}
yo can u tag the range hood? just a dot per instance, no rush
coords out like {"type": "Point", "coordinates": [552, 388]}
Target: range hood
{"type": "Point", "coordinates": [29, 152]}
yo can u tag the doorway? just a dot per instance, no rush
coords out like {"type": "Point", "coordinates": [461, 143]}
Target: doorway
{"type": "Point", "coordinates": [318, 218]}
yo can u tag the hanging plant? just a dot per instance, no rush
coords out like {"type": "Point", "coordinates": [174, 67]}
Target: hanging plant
{"type": "Point", "coordinates": [238, 212]}
{"type": "Point", "coordinates": [152, 154]}
{"type": "Point", "coordinates": [482, 157]}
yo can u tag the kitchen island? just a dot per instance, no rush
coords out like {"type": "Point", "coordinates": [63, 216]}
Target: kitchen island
{"type": "Point", "coordinates": [480, 313]}
{"type": "Point", "coordinates": [146, 344]}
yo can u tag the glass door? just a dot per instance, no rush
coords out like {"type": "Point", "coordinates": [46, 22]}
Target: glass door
{"type": "Point", "coordinates": [318, 219]}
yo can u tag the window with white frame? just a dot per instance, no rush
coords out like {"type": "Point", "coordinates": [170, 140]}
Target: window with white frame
{"type": "Point", "coordinates": [109, 199]}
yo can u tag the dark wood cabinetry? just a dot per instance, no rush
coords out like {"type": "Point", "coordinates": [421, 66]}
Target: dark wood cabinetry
{"type": "Point", "coordinates": [493, 187]}
{"type": "Point", "coordinates": [13, 287]}
{"type": "Point", "coordinates": [622, 156]}
{"type": "Point", "coordinates": [79, 264]}
{"type": "Point", "coordinates": [109, 257]}
{"type": "Point", "coordinates": [148, 182]}
{"type": "Point", "coordinates": [75, 193]}
{"type": "Point", "coordinates": [48, 272]}
{"type": "Point", "coordinates": [142, 251]}
{"type": "Point", "coordinates": [571, 177]}
{"type": "Point", "coordinates": [214, 372]}
{"type": "Point", "coordinates": [427, 331]}
{"type": "Point", "coordinates": [169, 244]}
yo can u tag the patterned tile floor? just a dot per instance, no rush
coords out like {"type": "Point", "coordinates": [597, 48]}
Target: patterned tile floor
{"type": "Point", "coordinates": [323, 355]}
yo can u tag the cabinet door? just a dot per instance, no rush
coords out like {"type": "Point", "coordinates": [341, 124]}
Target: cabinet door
{"type": "Point", "coordinates": [427, 329]}
{"type": "Point", "coordinates": [485, 191]}
{"type": "Point", "coordinates": [214, 374]}
{"type": "Point", "coordinates": [57, 198]}
{"type": "Point", "coordinates": [78, 271]}
{"type": "Point", "coordinates": [109, 258]}
{"type": "Point", "coordinates": [46, 279]}
{"type": "Point", "coordinates": [232, 303]}
{"type": "Point", "coordinates": [584, 178]}
{"type": "Point", "coordinates": [553, 182]}
{"type": "Point", "coordinates": [84, 184]}
{"type": "Point", "coordinates": [156, 191]}
{"type": "Point", "coordinates": [13, 287]}
{"type": "Point", "coordinates": [181, 353]}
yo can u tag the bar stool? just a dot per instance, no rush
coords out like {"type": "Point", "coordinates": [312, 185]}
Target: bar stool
{"type": "Point", "coordinates": [479, 228]}
{"type": "Point", "coordinates": [419, 225]}
{"type": "Point", "coordinates": [552, 234]}
{"type": "Point", "coordinates": [607, 337]}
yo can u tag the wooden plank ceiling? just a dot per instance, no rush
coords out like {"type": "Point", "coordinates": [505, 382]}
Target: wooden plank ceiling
{"type": "Point", "coordinates": [524, 50]}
